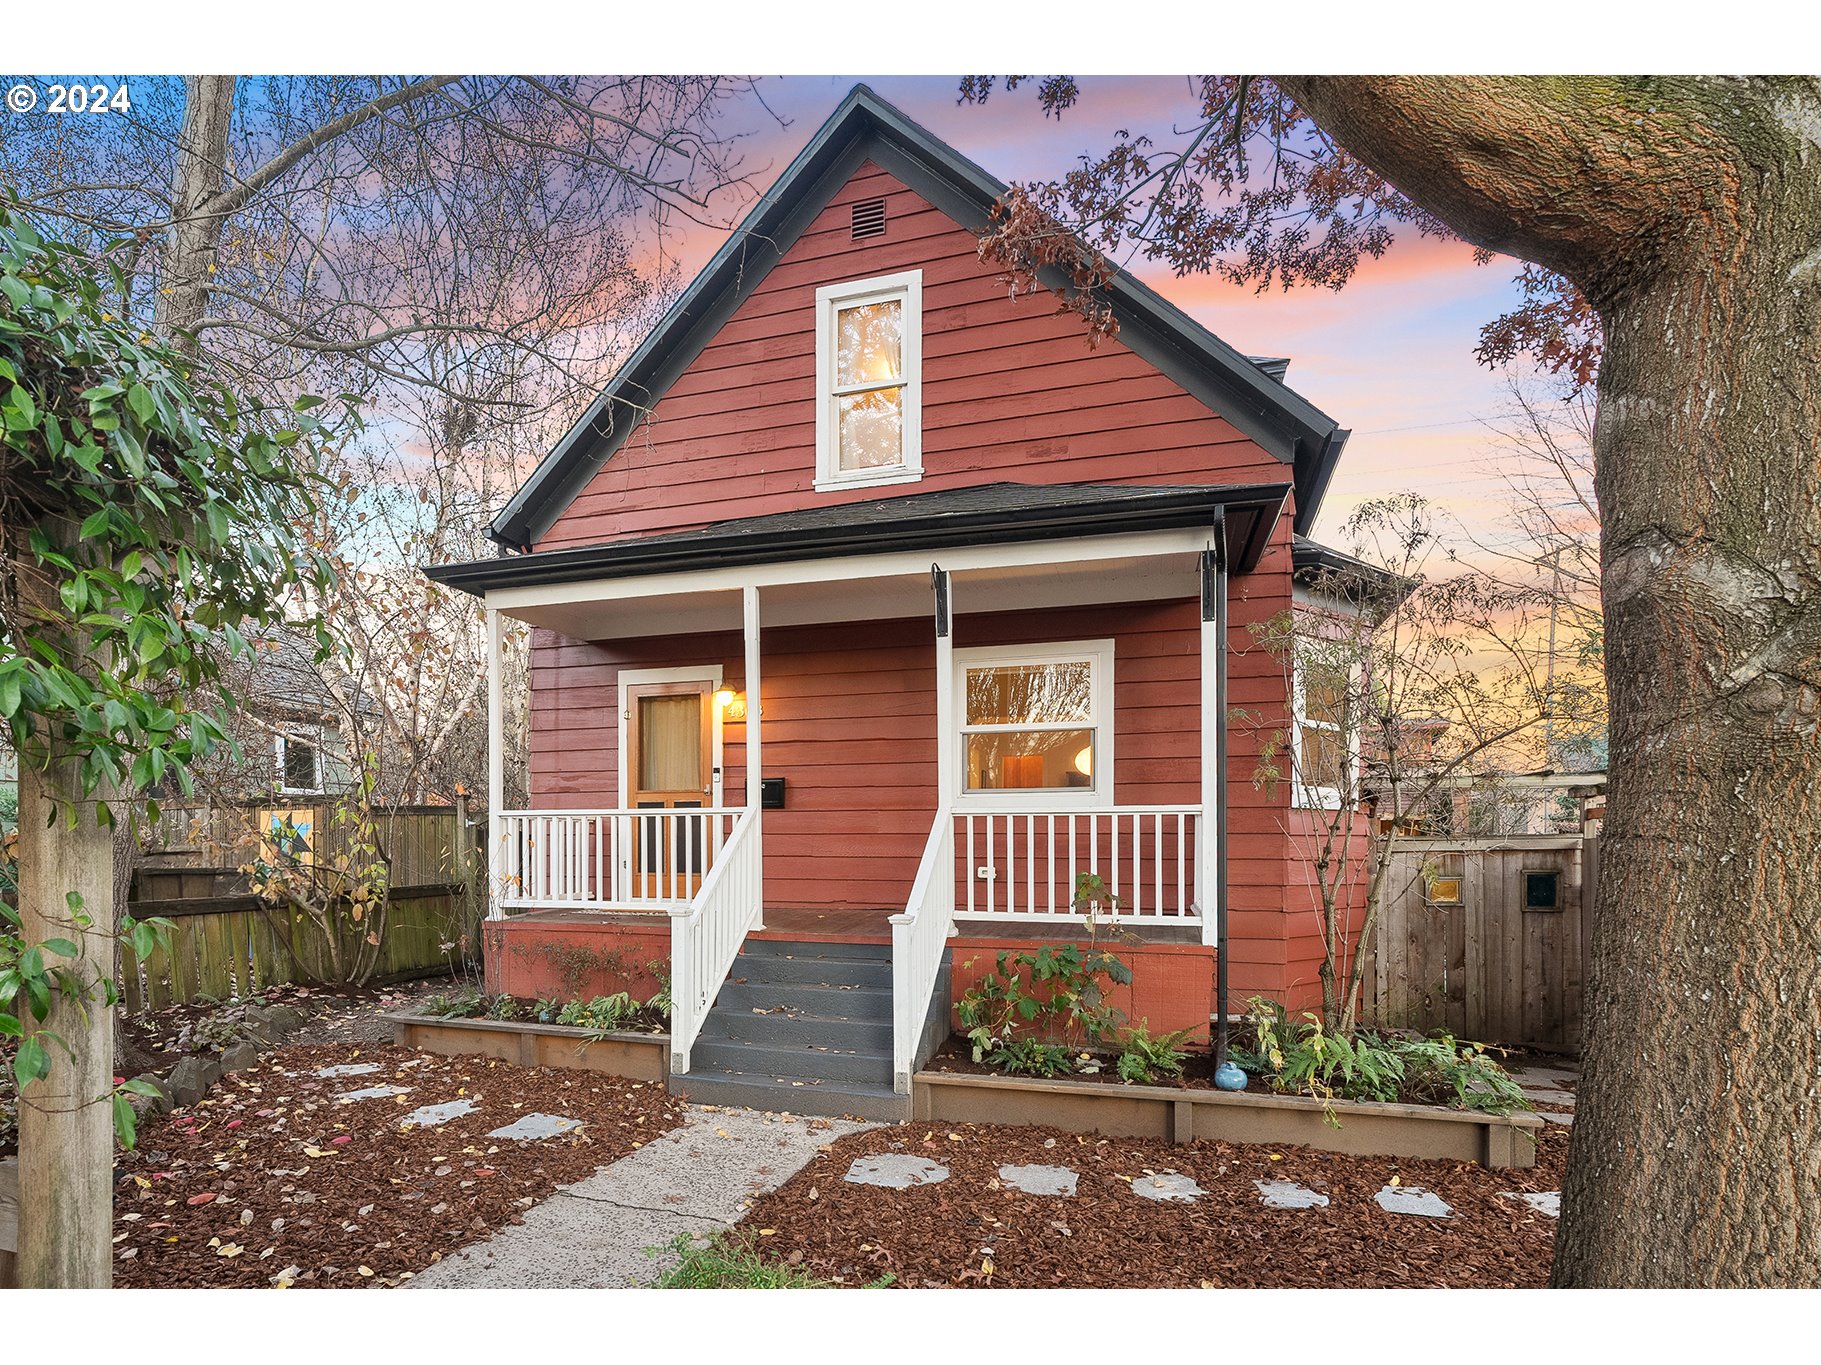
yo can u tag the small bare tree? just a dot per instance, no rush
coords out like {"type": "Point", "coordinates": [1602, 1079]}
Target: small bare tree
{"type": "Point", "coordinates": [1403, 679]}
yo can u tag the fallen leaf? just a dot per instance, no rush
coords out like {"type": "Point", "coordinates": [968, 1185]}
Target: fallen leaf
{"type": "Point", "coordinates": [196, 1199]}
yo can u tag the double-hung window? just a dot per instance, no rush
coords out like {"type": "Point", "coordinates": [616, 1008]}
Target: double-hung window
{"type": "Point", "coordinates": [299, 765]}
{"type": "Point", "coordinates": [1326, 752]}
{"type": "Point", "coordinates": [869, 386]}
{"type": "Point", "coordinates": [1036, 721]}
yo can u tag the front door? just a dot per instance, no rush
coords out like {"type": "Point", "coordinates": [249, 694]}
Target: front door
{"type": "Point", "coordinates": [670, 766]}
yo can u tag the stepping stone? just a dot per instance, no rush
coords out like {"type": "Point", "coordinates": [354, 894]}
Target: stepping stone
{"type": "Point", "coordinates": [1565, 1120]}
{"type": "Point", "coordinates": [1168, 1188]}
{"type": "Point", "coordinates": [535, 1126]}
{"type": "Point", "coordinates": [349, 1069]}
{"type": "Point", "coordinates": [1287, 1194]}
{"type": "Point", "coordinates": [434, 1115]}
{"type": "Point", "coordinates": [895, 1171]}
{"type": "Point", "coordinates": [1051, 1180]}
{"type": "Point", "coordinates": [1412, 1199]}
{"type": "Point", "coordinates": [1548, 1204]}
{"type": "Point", "coordinates": [373, 1092]}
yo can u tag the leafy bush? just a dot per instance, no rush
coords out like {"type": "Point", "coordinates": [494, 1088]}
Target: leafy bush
{"type": "Point", "coordinates": [546, 1009]}
{"type": "Point", "coordinates": [601, 1015]}
{"type": "Point", "coordinates": [661, 1002]}
{"type": "Point", "coordinates": [1029, 1057]}
{"type": "Point", "coordinates": [1304, 1058]}
{"type": "Point", "coordinates": [1056, 994]}
{"type": "Point", "coordinates": [454, 1005]}
{"type": "Point", "coordinates": [503, 1007]}
{"type": "Point", "coordinates": [1144, 1059]}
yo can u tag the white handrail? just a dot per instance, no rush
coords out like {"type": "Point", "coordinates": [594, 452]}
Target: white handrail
{"type": "Point", "coordinates": [918, 937]}
{"type": "Point", "coordinates": [643, 858]}
{"type": "Point", "coordinates": [1024, 862]}
{"type": "Point", "coordinates": [706, 934]}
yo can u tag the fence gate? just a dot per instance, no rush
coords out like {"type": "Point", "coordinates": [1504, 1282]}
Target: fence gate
{"type": "Point", "coordinates": [1486, 938]}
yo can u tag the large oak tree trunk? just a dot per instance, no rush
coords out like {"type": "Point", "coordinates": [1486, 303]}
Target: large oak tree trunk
{"type": "Point", "coordinates": [1689, 212]}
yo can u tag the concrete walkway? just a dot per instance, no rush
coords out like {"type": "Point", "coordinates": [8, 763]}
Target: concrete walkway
{"type": "Point", "coordinates": [593, 1234]}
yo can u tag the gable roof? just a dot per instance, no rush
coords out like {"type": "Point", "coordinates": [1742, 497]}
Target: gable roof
{"type": "Point", "coordinates": [1248, 394]}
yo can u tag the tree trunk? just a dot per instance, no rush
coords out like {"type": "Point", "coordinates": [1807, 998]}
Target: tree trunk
{"type": "Point", "coordinates": [1689, 211]}
{"type": "Point", "coordinates": [1698, 1137]}
{"type": "Point", "coordinates": [66, 1130]}
{"type": "Point", "coordinates": [188, 263]}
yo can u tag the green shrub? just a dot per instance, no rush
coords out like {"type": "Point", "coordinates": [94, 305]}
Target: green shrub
{"type": "Point", "coordinates": [1030, 1057]}
{"type": "Point", "coordinates": [1144, 1059]}
{"type": "Point", "coordinates": [454, 1005]}
{"type": "Point", "coordinates": [1055, 994]}
{"type": "Point", "coordinates": [502, 1007]}
{"type": "Point", "coordinates": [602, 1015]}
{"type": "Point", "coordinates": [1304, 1058]}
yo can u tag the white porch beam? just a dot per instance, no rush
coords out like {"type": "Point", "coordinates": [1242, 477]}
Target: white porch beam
{"type": "Point", "coordinates": [755, 759]}
{"type": "Point", "coordinates": [907, 563]}
{"type": "Point", "coordinates": [496, 761]}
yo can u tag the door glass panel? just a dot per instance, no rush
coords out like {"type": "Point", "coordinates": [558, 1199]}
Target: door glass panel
{"type": "Point", "coordinates": [1004, 760]}
{"type": "Point", "coordinates": [670, 743]}
{"type": "Point", "coordinates": [1030, 694]}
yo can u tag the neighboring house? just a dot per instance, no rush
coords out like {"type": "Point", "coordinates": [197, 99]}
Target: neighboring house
{"type": "Point", "coordinates": [870, 601]}
{"type": "Point", "coordinates": [291, 721]}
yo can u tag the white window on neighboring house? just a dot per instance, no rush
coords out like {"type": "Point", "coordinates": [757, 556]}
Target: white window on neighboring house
{"type": "Point", "coordinates": [1036, 723]}
{"type": "Point", "coordinates": [299, 764]}
{"type": "Point", "coordinates": [1325, 742]}
{"type": "Point", "coordinates": [869, 382]}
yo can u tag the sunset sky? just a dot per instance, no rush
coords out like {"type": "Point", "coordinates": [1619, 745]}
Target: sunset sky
{"type": "Point", "coordinates": [1390, 356]}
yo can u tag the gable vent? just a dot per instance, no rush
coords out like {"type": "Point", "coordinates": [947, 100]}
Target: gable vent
{"type": "Point", "coordinates": [869, 218]}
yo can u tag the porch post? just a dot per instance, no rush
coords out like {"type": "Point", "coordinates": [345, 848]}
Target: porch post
{"type": "Point", "coordinates": [1213, 870]}
{"type": "Point", "coordinates": [755, 769]}
{"type": "Point", "coordinates": [496, 764]}
{"type": "Point", "coordinates": [946, 729]}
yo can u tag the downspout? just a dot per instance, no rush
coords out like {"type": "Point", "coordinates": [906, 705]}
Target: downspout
{"type": "Point", "coordinates": [1227, 1076]}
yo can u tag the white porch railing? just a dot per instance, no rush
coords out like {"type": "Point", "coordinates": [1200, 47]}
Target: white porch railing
{"type": "Point", "coordinates": [644, 859]}
{"type": "Point", "coordinates": [706, 934]}
{"type": "Point", "coordinates": [1023, 864]}
{"type": "Point", "coordinates": [918, 937]}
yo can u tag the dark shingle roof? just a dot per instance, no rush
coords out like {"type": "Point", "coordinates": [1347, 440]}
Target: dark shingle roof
{"type": "Point", "coordinates": [989, 514]}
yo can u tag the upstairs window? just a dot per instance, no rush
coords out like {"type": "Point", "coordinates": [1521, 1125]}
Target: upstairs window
{"type": "Point", "coordinates": [869, 362]}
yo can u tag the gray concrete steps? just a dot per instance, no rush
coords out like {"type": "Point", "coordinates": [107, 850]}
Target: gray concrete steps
{"type": "Point", "coordinates": [790, 1029]}
{"type": "Point", "coordinates": [800, 1026]}
{"type": "Point", "coordinates": [799, 1062]}
{"type": "Point", "coordinates": [871, 973]}
{"type": "Point", "coordinates": [832, 1002]}
{"type": "Point", "coordinates": [829, 1099]}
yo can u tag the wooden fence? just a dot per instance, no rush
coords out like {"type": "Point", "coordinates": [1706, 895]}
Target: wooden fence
{"type": "Point", "coordinates": [228, 942]}
{"type": "Point", "coordinates": [1486, 938]}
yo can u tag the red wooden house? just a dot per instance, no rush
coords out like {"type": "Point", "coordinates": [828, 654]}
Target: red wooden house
{"type": "Point", "coordinates": [872, 607]}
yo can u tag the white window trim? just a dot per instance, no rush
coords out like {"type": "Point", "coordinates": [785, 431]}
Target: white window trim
{"type": "Point", "coordinates": [1304, 796]}
{"type": "Point", "coordinates": [907, 287]}
{"type": "Point", "coordinates": [278, 753]}
{"type": "Point", "coordinates": [1099, 792]}
{"type": "Point", "coordinates": [634, 677]}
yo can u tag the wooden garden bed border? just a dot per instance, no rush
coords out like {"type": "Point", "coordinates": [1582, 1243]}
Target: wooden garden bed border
{"type": "Point", "coordinates": [1418, 1132]}
{"type": "Point", "coordinates": [634, 1056]}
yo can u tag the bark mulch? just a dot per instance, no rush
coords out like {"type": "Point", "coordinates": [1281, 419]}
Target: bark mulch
{"type": "Point", "coordinates": [972, 1229]}
{"type": "Point", "coordinates": [270, 1180]}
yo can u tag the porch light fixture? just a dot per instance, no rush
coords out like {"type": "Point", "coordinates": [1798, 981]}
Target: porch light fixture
{"type": "Point", "coordinates": [732, 704]}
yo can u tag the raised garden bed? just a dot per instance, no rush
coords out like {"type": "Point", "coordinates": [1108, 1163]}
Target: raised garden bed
{"type": "Point", "coordinates": [636, 1056]}
{"type": "Point", "coordinates": [1184, 1114]}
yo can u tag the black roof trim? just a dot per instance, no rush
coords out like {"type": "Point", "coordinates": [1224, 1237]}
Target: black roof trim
{"type": "Point", "coordinates": [1313, 564]}
{"type": "Point", "coordinates": [997, 514]}
{"type": "Point", "coordinates": [866, 127]}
